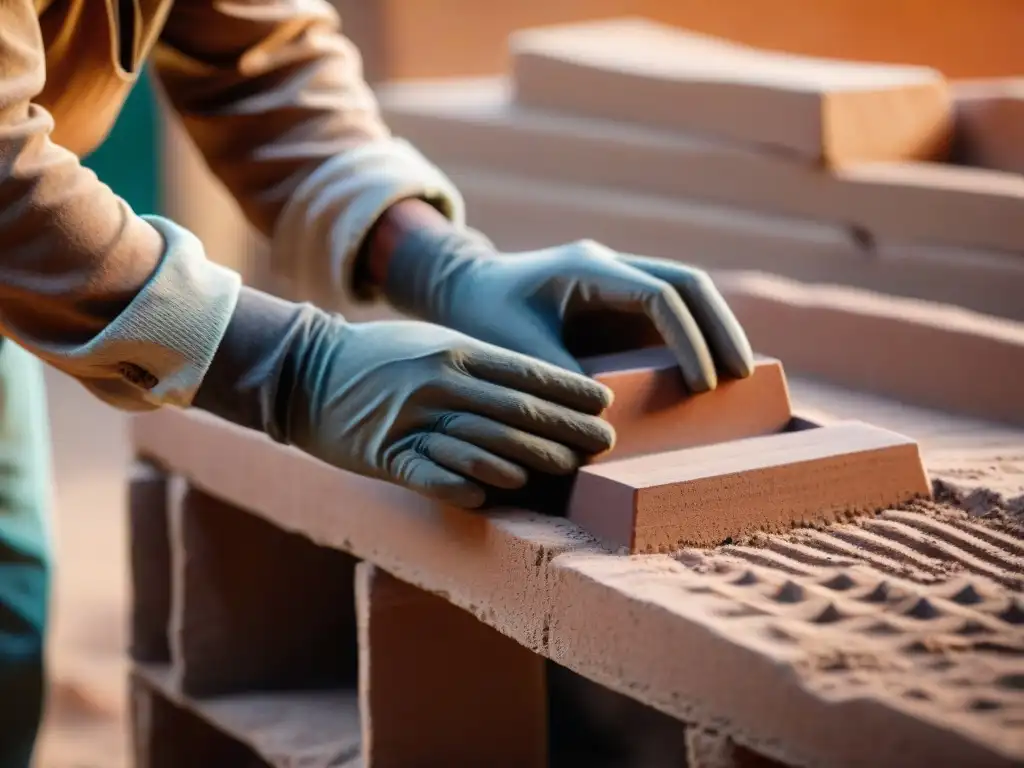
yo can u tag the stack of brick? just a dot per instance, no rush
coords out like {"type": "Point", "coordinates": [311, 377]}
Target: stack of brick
{"type": "Point", "coordinates": [673, 144]}
{"type": "Point", "coordinates": [286, 613]}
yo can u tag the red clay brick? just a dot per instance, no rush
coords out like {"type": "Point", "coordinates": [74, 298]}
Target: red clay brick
{"type": "Point", "coordinates": [150, 563]}
{"type": "Point", "coordinates": [714, 637]}
{"type": "Point", "coordinates": [637, 71]}
{"type": "Point", "coordinates": [990, 123]}
{"type": "Point", "coordinates": [705, 496]}
{"type": "Point", "coordinates": [653, 411]}
{"type": "Point", "coordinates": [256, 607]}
{"type": "Point", "coordinates": [166, 735]}
{"type": "Point", "coordinates": [472, 124]}
{"type": "Point", "coordinates": [438, 687]}
{"type": "Point", "coordinates": [919, 353]}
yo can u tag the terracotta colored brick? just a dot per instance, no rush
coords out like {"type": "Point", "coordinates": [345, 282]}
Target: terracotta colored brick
{"type": "Point", "coordinates": [848, 626]}
{"type": "Point", "coordinates": [704, 496]}
{"type": "Point", "coordinates": [653, 411]}
{"type": "Point", "coordinates": [931, 355]}
{"type": "Point", "coordinates": [255, 606]}
{"type": "Point", "coordinates": [150, 563]}
{"type": "Point", "coordinates": [437, 687]}
{"type": "Point", "coordinates": [471, 124]}
{"type": "Point", "coordinates": [165, 735]}
{"type": "Point", "coordinates": [282, 729]}
{"type": "Point", "coordinates": [990, 123]}
{"type": "Point", "coordinates": [707, 749]}
{"type": "Point", "coordinates": [636, 71]}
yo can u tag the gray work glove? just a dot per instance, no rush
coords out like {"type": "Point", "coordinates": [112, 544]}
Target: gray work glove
{"type": "Point", "coordinates": [526, 301]}
{"type": "Point", "coordinates": [408, 402]}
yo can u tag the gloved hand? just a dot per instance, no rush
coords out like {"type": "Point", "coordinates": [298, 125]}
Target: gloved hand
{"type": "Point", "coordinates": [525, 301]}
{"type": "Point", "coordinates": [433, 410]}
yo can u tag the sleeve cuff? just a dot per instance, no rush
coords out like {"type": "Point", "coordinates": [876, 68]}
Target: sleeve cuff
{"type": "Point", "coordinates": [321, 230]}
{"type": "Point", "coordinates": [159, 348]}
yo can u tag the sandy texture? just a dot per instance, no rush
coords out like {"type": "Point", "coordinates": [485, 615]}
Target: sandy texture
{"type": "Point", "coordinates": [833, 111]}
{"type": "Point", "coordinates": [721, 637]}
{"type": "Point", "coordinates": [707, 495]}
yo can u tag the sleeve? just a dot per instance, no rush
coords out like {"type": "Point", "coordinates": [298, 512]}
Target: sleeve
{"type": "Point", "coordinates": [128, 306]}
{"type": "Point", "coordinates": [274, 96]}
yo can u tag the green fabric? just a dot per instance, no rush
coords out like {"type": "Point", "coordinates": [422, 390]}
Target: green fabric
{"type": "Point", "coordinates": [526, 301]}
{"type": "Point", "coordinates": [434, 410]}
{"type": "Point", "coordinates": [128, 161]}
{"type": "Point", "coordinates": [25, 547]}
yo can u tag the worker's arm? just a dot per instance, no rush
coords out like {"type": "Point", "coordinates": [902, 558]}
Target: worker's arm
{"type": "Point", "coordinates": [129, 307]}
{"type": "Point", "coordinates": [132, 309]}
{"type": "Point", "coordinates": [274, 96]}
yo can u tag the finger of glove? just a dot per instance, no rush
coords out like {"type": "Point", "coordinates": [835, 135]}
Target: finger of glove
{"type": "Point", "coordinates": [472, 461]}
{"type": "Point", "coordinates": [543, 418]}
{"type": "Point", "coordinates": [535, 377]}
{"type": "Point", "coordinates": [621, 287]}
{"type": "Point", "coordinates": [410, 468]}
{"type": "Point", "coordinates": [722, 330]}
{"type": "Point", "coordinates": [521, 447]}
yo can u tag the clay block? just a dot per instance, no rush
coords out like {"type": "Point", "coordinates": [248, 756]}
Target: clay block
{"type": "Point", "coordinates": [931, 355]}
{"type": "Point", "coordinates": [319, 729]}
{"type": "Point", "coordinates": [708, 749]}
{"type": "Point", "coordinates": [522, 215]}
{"type": "Point", "coordinates": [150, 563]}
{"type": "Point", "coordinates": [861, 662]}
{"type": "Point", "coordinates": [165, 735]}
{"type": "Point", "coordinates": [633, 70]}
{"type": "Point", "coordinates": [437, 687]}
{"type": "Point", "coordinates": [256, 607]}
{"type": "Point", "coordinates": [990, 123]}
{"type": "Point", "coordinates": [704, 496]}
{"type": "Point", "coordinates": [472, 124]}
{"type": "Point", "coordinates": [653, 411]}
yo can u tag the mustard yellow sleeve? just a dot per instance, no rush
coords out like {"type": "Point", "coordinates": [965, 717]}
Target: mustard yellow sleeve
{"type": "Point", "coordinates": [274, 96]}
{"type": "Point", "coordinates": [129, 307]}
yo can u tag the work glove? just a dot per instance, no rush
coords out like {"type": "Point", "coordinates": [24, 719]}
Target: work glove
{"type": "Point", "coordinates": [528, 301]}
{"type": "Point", "coordinates": [434, 410]}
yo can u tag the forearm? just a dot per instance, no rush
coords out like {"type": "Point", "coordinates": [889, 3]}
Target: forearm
{"type": "Point", "coordinates": [129, 307]}
{"type": "Point", "coordinates": [274, 96]}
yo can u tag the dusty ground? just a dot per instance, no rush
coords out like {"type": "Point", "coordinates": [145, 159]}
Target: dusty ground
{"type": "Point", "coordinates": [85, 721]}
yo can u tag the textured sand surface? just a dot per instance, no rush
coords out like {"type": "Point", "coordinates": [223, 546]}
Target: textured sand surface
{"type": "Point", "coordinates": [799, 584]}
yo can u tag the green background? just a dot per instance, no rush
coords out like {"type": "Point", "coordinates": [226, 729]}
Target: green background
{"type": "Point", "coordinates": [128, 160]}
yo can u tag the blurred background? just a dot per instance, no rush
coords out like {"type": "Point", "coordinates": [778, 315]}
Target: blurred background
{"type": "Point", "coordinates": [148, 160]}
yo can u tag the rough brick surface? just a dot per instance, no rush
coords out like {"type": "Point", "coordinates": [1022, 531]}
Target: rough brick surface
{"type": "Point", "coordinates": [287, 729]}
{"type": "Point", "coordinates": [472, 124]}
{"type": "Point", "coordinates": [440, 688]}
{"type": "Point", "coordinates": [938, 356]}
{"type": "Point", "coordinates": [165, 735]}
{"type": "Point", "coordinates": [633, 70]}
{"type": "Point", "coordinates": [256, 607]}
{"type": "Point", "coordinates": [654, 412]}
{"type": "Point", "coordinates": [695, 635]}
{"type": "Point", "coordinates": [712, 494]}
{"type": "Point", "coordinates": [707, 749]}
{"type": "Point", "coordinates": [150, 563]}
